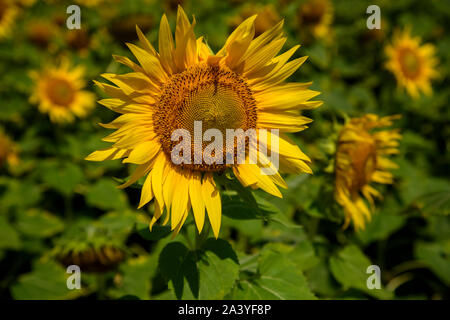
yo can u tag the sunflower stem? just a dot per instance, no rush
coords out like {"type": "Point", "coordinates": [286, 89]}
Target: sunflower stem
{"type": "Point", "coordinates": [200, 238]}
{"type": "Point", "coordinates": [186, 237]}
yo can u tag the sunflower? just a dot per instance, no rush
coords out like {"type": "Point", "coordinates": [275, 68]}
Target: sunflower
{"type": "Point", "coordinates": [267, 17]}
{"type": "Point", "coordinates": [79, 40]}
{"type": "Point", "coordinates": [26, 3]}
{"type": "Point", "coordinates": [40, 33]}
{"type": "Point", "coordinates": [91, 259]}
{"type": "Point", "coordinates": [361, 159]}
{"type": "Point", "coordinates": [59, 93]}
{"type": "Point", "coordinates": [8, 151]}
{"type": "Point", "coordinates": [89, 3]}
{"type": "Point", "coordinates": [89, 245]}
{"type": "Point", "coordinates": [239, 87]}
{"type": "Point", "coordinates": [412, 64]}
{"type": "Point", "coordinates": [316, 16]}
{"type": "Point", "coordinates": [8, 13]}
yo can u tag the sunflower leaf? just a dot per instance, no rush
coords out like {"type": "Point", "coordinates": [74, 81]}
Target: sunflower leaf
{"type": "Point", "coordinates": [208, 273]}
{"type": "Point", "coordinates": [349, 267]}
{"type": "Point", "coordinates": [277, 279]}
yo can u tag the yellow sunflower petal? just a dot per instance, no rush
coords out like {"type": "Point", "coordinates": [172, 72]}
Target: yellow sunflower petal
{"type": "Point", "coordinates": [211, 197]}
{"type": "Point", "coordinates": [198, 205]}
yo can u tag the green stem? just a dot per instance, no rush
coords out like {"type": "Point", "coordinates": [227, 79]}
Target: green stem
{"type": "Point", "coordinates": [201, 238]}
{"type": "Point", "coordinates": [186, 237]}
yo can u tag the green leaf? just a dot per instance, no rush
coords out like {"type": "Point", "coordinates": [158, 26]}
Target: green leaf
{"type": "Point", "coordinates": [244, 193]}
{"type": "Point", "coordinates": [105, 195]}
{"type": "Point", "coordinates": [319, 55]}
{"type": "Point", "coordinates": [437, 257]}
{"type": "Point", "coordinates": [304, 255]}
{"type": "Point", "coordinates": [136, 277]}
{"type": "Point", "coordinates": [21, 194]}
{"type": "Point", "coordinates": [208, 273]}
{"type": "Point", "coordinates": [248, 228]}
{"type": "Point", "coordinates": [38, 223]}
{"type": "Point", "coordinates": [48, 281]}
{"type": "Point", "coordinates": [436, 202]}
{"type": "Point", "coordinates": [62, 177]}
{"type": "Point", "coordinates": [158, 232]}
{"type": "Point", "coordinates": [349, 267]}
{"type": "Point", "coordinates": [383, 224]}
{"type": "Point", "coordinates": [118, 222]}
{"type": "Point", "coordinates": [321, 281]}
{"type": "Point", "coordinates": [9, 237]}
{"type": "Point", "coordinates": [271, 212]}
{"type": "Point", "coordinates": [235, 207]}
{"type": "Point", "coordinates": [277, 279]}
{"type": "Point", "coordinates": [416, 186]}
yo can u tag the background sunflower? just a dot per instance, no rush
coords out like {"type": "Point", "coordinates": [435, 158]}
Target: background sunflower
{"type": "Point", "coordinates": [56, 208]}
{"type": "Point", "coordinates": [413, 64]}
{"type": "Point", "coordinates": [59, 92]}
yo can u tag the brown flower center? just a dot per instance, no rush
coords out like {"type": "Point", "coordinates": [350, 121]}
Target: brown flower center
{"type": "Point", "coordinates": [410, 63]}
{"type": "Point", "coordinates": [60, 91]}
{"type": "Point", "coordinates": [363, 161]}
{"type": "Point", "coordinates": [78, 39]}
{"type": "Point", "coordinates": [217, 97]}
{"type": "Point", "coordinates": [312, 12]}
{"type": "Point", "coordinates": [3, 8]}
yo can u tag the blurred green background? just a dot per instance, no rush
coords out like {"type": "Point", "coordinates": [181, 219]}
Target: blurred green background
{"type": "Point", "coordinates": [57, 209]}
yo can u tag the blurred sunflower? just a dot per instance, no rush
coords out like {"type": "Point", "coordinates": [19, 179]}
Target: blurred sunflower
{"type": "Point", "coordinates": [267, 17]}
{"type": "Point", "coordinates": [123, 28]}
{"type": "Point", "coordinates": [316, 16]}
{"type": "Point", "coordinates": [79, 40]}
{"type": "Point", "coordinates": [40, 33]}
{"type": "Point", "coordinates": [58, 91]}
{"type": "Point", "coordinates": [171, 6]}
{"type": "Point", "coordinates": [8, 13]}
{"type": "Point", "coordinates": [89, 3]}
{"type": "Point", "coordinates": [26, 3]}
{"type": "Point", "coordinates": [412, 64]}
{"type": "Point", "coordinates": [374, 35]}
{"type": "Point", "coordinates": [92, 259]}
{"type": "Point", "coordinates": [239, 87]}
{"type": "Point", "coordinates": [8, 151]}
{"type": "Point", "coordinates": [360, 160]}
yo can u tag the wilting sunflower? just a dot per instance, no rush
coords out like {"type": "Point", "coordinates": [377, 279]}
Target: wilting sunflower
{"type": "Point", "coordinates": [412, 64]}
{"type": "Point", "coordinates": [361, 159]}
{"type": "Point", "coordinates": [89, 245]}
{"type": "Point", "coordinates": [93, 259]}
{"type": "Point", "coordinates": [8, 13]}
{"type": "Point", "coordinates": [316, 16]}
{"type": "Point", "coordinates": [58, 91]}
{"type": "Point", "coordinates": [8, 151]}
{"type": "Point", "coordinates": [239, 87]}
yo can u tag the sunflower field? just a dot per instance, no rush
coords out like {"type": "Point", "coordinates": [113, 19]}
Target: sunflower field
{"type": "Point", "coordinates": [94, 206]}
